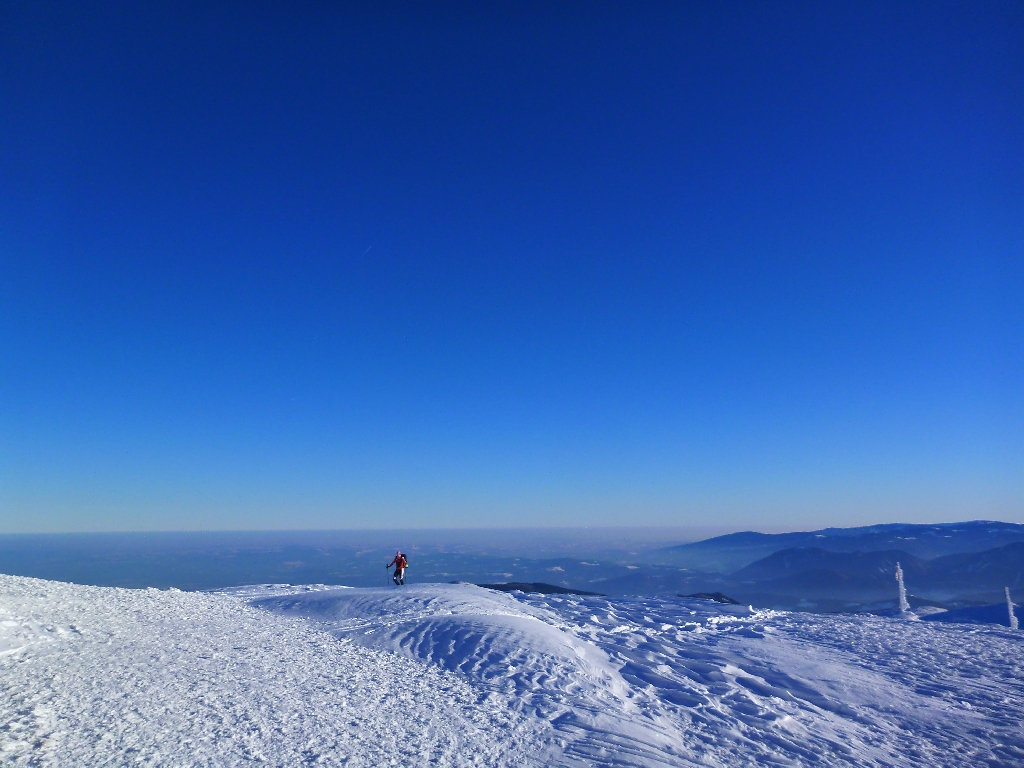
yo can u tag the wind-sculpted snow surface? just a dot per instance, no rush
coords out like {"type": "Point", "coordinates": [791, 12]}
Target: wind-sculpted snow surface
{"type": "Point", "coordinates": [93, 676]}
{"type": "Point", "coordinates": [659, 682]}
{"type": "Point", "coordinates": [458, 675]}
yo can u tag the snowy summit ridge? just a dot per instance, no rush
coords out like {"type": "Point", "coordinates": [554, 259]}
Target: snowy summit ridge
{"type": "Point", "coordinates": [455, 675]}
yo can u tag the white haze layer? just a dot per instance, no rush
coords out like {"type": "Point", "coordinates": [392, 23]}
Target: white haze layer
{"type": "Point", "coordinates": [457, 675]}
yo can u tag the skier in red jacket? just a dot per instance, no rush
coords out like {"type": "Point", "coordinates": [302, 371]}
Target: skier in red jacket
{"type": "Point", "coordinates": [401, 563]}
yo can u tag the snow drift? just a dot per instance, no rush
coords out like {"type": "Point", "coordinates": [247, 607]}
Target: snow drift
{"type": "Point", "coordinates": [457, 675]}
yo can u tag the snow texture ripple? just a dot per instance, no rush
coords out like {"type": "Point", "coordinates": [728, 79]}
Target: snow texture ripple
{"type": "Point", "coordinates": [93, 676]}
{"type": "Point", "coordinates": [280, 675]}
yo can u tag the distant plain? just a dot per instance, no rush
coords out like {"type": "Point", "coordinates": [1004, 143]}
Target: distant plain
{"type": "Point", "coordinates": [950, 566]}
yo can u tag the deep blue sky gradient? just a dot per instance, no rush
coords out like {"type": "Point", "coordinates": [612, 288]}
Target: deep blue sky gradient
{"type": "Point", "coordinates": [309, 265]}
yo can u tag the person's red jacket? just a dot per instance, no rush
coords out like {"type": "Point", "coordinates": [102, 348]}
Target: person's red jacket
{"type": "Point", "coordinates": [399, 561]}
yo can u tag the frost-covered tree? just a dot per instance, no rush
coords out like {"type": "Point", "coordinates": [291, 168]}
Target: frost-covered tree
{"type": "Point", "coordinates": [904, 605]}
{"type": "Point", "coordinates": [1009, 607]}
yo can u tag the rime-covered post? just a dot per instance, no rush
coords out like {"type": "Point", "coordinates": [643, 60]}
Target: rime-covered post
{"type": "Point", "coordinates": [1009, 607]}
{"type": "Point", "coordinates": [904, 605]}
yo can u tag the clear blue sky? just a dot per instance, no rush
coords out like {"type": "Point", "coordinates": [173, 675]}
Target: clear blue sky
{"type": "Point", "coordinates": [307, 265]}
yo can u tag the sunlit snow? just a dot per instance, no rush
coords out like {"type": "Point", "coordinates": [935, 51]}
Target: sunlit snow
{"type": "Point", "coordinates": [443, 674]}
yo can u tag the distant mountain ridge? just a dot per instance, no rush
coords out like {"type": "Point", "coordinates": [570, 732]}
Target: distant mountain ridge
{"type": "Point", "coordinates": [797, 563]}
{"type": "Point", "coordinates": [951, 565]}
{"type": "Point", "coordinates": [814, 572]}
{"type": "Point", "coordinates": [735, 551]}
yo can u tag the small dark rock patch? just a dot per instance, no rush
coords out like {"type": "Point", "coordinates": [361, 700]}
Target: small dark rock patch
{"type": "Point", "coordinates": [718, 597]}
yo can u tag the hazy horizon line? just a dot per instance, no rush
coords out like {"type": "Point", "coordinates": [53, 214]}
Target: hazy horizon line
{"type": "Point", "coordinates": [496, 529]}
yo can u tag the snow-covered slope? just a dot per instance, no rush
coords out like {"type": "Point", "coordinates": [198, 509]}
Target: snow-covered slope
{"type": "Point", "coordinates": [648, 681]}
{"type": "Point", "coordinates": [296, 676]}
{"type": "Point", "coordinates": [94, 676]}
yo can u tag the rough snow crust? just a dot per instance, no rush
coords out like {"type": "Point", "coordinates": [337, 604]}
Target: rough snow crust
{"type": "Point", "coordinates": [93, 676]}
{"type": "Point", "coordinates": [300, 676]}
{"type": "Point", "coordinates": [666, 682]}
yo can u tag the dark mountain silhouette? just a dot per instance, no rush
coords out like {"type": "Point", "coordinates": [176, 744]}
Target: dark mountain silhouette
{"type": "Point", "coordinates": [994, 569]}
{"type": "Point", "coordinates": [830, 580]}
{"type": "Point", "coordinates": [729, 553]}
{"type": "Point", "coordinates": [866, 569]}
{"type": "Point", "coordinates": [848, 580]}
